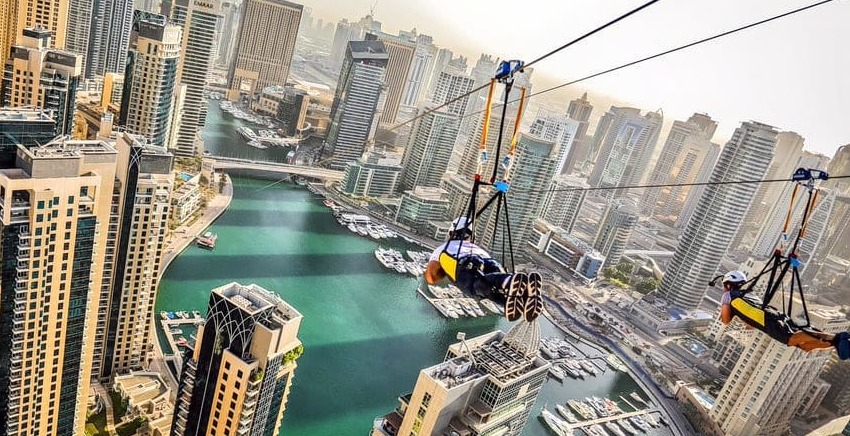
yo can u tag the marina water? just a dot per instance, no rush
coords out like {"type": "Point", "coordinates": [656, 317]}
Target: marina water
{"type": "Point", "coordinates": [366, 332]}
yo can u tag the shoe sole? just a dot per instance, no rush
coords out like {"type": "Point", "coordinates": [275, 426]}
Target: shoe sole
{"type": "Point", "coordinates": [534, 302]}
{"type": "Point", "coordinates": [514, 301]}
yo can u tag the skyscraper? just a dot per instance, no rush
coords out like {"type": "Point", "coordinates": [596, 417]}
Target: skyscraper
{"type": "Point", "coordinates": [53, 234]}
{"type": "Point", "coordinates": [537, 161]}
{"type": "Point", "coordinates": [486, 385]}
{"type": "Point", "coordinates": [357, 93]}
{"type": "Point", "coordinates": [563, 201]}
{"type": "Point", "coordinates": [110, 36]}
{"type": "Point", "coordinates": [770, 380]}
{"type": "Point", "coordinates": [789, 149]}
{"type": "Point", "coordinates": [420, 68]}
{"type": "Point", "coordinates": [718, 214]}
{"type": "Point", "coordinates": [427, 154]}
{"type": "Point", "coordinates": [580, 110]}
{"type": "Point", "coordinates": [79, 29]}
{"type": "Point", "coordinates": [231, 13]}
{"type": "Point", "coordinates": [147, 103]}
{"type": "Point", "coordinates": [26, 127]}
{"type": "Point", "coordinates": [684, 137]}
{"type": "Point", "coordinates": [624, 140]}
{"type": "Point", "coordinates": [144, 184]}
{"type": "Point", "coordinates": [265, 46]}
{"type": "Point", "coordinates": [238, 378]}
{"type": "Point", "coordinates": [345, 32]}
{"type": "Point", "coordinates": [198, 20]}
{"type": "Point", "coordinates": [37, 76]}
{"type": "Point", "coordinates": [400, 55]}
{"type": "Point", "coordinates": [617, 223]}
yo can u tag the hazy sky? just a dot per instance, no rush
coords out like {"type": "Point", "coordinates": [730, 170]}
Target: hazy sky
{"type": "Point", "coordinates": [793, 73]}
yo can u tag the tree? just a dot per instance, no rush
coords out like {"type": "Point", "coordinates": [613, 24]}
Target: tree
{"type": "Point", "coordinates": [646, 285]}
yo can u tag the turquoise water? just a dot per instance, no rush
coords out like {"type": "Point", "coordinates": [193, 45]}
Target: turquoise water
{"type": "Point", "coordinates": [366, 332]}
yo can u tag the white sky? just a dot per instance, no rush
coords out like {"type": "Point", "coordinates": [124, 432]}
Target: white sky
{"type": "Point", "coordinates": [793, 73]}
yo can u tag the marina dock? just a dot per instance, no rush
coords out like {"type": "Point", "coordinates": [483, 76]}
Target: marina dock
{"type": "Point", "coordinates": [603, 420]}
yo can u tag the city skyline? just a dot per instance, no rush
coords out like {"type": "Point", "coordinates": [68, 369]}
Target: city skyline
{"type": "Point", "coordinates": [677, 83]}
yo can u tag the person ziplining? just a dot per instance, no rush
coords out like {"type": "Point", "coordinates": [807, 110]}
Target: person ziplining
{"type": "Point", "coordinates": [779, 324]}
{"type": "Point", "coordinates": [466, 264]}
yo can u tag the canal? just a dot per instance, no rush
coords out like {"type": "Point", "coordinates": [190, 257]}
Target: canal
{"type": "Point", "coordinates": [366, 331]}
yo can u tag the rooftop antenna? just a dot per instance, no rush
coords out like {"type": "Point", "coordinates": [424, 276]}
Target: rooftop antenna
{"type": "Point", "coordinates": [372, 9]}
{"type": "Point", "coordinates": [461, 336]}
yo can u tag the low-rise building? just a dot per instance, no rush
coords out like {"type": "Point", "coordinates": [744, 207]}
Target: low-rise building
{"type": "Point", "coordinates": [577, 256]}
{"type": "Point", "coordinates": [421, 205]}
{"type": "Point", "coordinates": [26, 127]}
{"type": "Point", "coordinates": [374, 175]}
{"type": "Point", "coordinates": [286, 104]}
{"type": "Point", "coordinates": [658, 315]}
{"type": "Point", "coordinates": [185, 201]}
{"type": "Point", "coordinates": [147, 397]}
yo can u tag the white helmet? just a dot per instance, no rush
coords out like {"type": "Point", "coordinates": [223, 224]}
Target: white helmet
{"type": "Point", "coordinates": [734, 277]}
{"type": "Point", "coordinates": [460, 223]}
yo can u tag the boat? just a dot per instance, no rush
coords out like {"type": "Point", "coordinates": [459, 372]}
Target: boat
{"type": "Point", "coordinates": [491, 306]}
{"type": "Point", "coordinates": [556, 373]}
{"type": "Point", "coordinates": [582, 409]}
{"type": "Point", "coordinates": [554, 423]}
{"type": "Point", "coordinates": [182, 342]}
{"type": "Point", "coordinates": [615, 363]}
{"type": "Point", "coordinates": [636, 397]}
{"type": "Point", "coordinates": [569, 416]}
{"type": "Point", "coordinates": [196, 314]}
{"type": "Point", "coordinates": [329, 203]}
{"type": "Point", "coordinates": [598, 406]}
{"type": "Point", "coordinates": [614, 428]}
{"type": "Point", "coordinates": [163, 315]}
{"type": "Point", "coordinates": [650, 420]}
{"type": "Point", "coordinates": [568, 370]}
{"type": "Point", "coordinates": [207, 240]}
{"type": "Point", "coordinates": [246, 132]}
{"type": "Point", "coordinates": [183, 314]}
{"type": "Point", "coordinates": [595, 430]}
{"type": "Point", "coordinates": [175, 331]}
{"type": "Point", "coordinates": [639, 423]}
{"type": "Point", "coordinates": [587, 366]}
{"type": "Point", "coordinates": [624, 424]}
{"type": "Point", "coordinates": [171, 315]}
{"type": "Point", "coordinates": [663, 420]}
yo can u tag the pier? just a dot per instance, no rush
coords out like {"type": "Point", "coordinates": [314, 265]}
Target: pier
{"type": "Point", "coordinates": [175, 356]}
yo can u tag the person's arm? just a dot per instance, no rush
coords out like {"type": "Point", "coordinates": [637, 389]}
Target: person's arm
{"type": "Point", "coordinates": [434, 272]}
{"type": "Point", "coordinates": [726, 314]}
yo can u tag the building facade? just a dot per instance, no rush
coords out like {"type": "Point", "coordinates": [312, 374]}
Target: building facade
{"type": "Point", "coordinates": [563, 201]}
{"type": "Point", "coordinates": [237, 380]}
{"type": "Point", "coordinates": [356, 101]}
{"type": "Point", "coordinates": [143, 185]}
{"type": "Point", "coordinates": [577, 256]}
{"type": "Point", "coordinates": [109, 36]}
{"type": "Point", "coordinates": [38, 76]}
{"type": "Point", "coordinates": [399, 57]}
{"type": "Point", "coordinates": [265, 45]}
{"type": "Point", "coordinates": [374, 175]}
{"type": "Point", "coordinates": [56, 204]}
{"type": "Point", "coordinates": [147, 106]}
{"type": "Point", "coordinates": [615, 229]}
{"type": "Point", "coordinates": [198, 20]}
{"type": "Point", "coordinates": [718, 214]}
{"type": "Point", "coordinates": [26, 127]}
{"type": "Point", "coordinates": [486, 385]}
{"type": "Point", "coordinates": [420, 206]}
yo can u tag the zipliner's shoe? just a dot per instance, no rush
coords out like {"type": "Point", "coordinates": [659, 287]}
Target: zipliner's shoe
{"type": "Point", "coordinates": [515, 298]}
{"type": "Point", "coordinates": [534, 299]}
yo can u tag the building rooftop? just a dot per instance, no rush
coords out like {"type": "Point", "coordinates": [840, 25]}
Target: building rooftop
{"type": "Point", "coordinates": [65, 147]}
{"type": "Point", "coordinates": [428, 194]}
{"type": "Point", "coordinates": [255, 299]}
{"type": "Point", "coordinates": [142, 387]}
{"type": "Point", "coordinates": [29, 115]}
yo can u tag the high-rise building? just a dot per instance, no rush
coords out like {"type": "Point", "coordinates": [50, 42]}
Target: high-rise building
{"type": "Point", "coordinates": [237, 380]}
{"type": "Point", "coordinates": [198, 20]}
{"type": "Point", "coordinates": [561, 129]}
{"type": "Point", "coordinates": [486, 385]}
{"type": "Point", "coordinates": [420, 68]}
{"type": "Point", "coordinates": [40, 77]}
{"type": "Point", "coordinates": [684, 138]}
{"type": "Point", "coordinates": [265, 46]}
{"type": "Point", "coordinates": [50, 16]}
{"type": "Point", "coordinates": [231, 13]}
{"type": "Point", "coordinates": [836, 373]}
{"type": "Point", "coordinates": [113, 89]}
{"type": "Point", "coordinates": [617, 223]}
{"type": "Point", "coordinates": [356, 100]}
{"type": "Point", "coordinates": [771, 225]}
{"type": "Point", "coordinates": [839, 165]}
{"type": "Point", "coordinates": [563, 201]}
{"type": "Point", "coordinates": [537, 161]}
{"type": "Point", "coordinates": [770, 381]}
{"type": "Point", "coordinates": [441, 63]}
{"type": "Point", "coordinates": [400, 55]}
{"type": "Point", "coordinates": [696, 166]}
{"type": "Point", "coordinates": [718, 214]}
{"type": "Point", "coordinates": [143, 189]}
{"type": "Point", "coordinates": [789, 150]}
{"type": "Point", "coordinates": [110, 35]}
{"type": "Point", "coordinates": [375, 174]}
{"type": "Point", "coordinates": [78, 33]}
{"type": "Point", "coordinates": [26, 127]}
{"type": "Point", "coordinates": [344, 33]}
{"type": "Point", "coordinates": [580, 110]}
{"type": "Point", "coordinates": [624, 140]}
{"type": "Point", "coordinates": [147, 104]}
{"type": "Point", "coordinates": [433, 136]}
{"type": "Point", "coordinates": [53, 238]}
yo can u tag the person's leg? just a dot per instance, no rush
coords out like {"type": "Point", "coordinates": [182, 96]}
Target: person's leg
{"type": "Point", "coordinates": [807, 341]}
{"type": "Point", "coordinates": [841, 342]}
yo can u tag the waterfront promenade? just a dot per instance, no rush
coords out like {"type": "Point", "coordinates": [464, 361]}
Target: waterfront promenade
{"type": "Point", "coordinates": [178, 241]}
